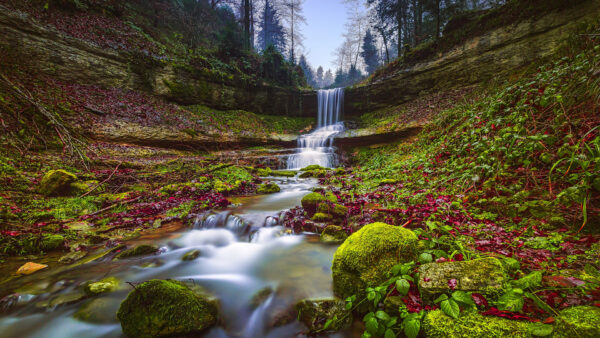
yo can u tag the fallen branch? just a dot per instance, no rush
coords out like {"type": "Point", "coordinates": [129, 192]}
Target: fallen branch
{"type": "Point", "coordinates": [101, 183]}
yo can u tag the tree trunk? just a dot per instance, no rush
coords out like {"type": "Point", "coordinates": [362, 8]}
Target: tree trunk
{"type": "Point", "coordinates": [437, 18]}
{"type": "Point", "coordinates": [247, 24]}
{"type": "Point", "coordinates": [399, 23]}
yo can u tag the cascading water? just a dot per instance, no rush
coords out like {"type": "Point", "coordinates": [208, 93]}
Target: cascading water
{"type": "Point", "coordinates": [317, 146]}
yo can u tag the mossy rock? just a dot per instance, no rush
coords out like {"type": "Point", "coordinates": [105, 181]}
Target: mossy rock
{"type": "Point", "coordinates": [314, 313]}
{"type": "Point", "coordinates": [98, 311]}
{"type": "Point", "coordinates": [284, 173]}
{"type": "Point", "coordinates": [313, 167]}
{"type": "Point", "coordinates": [57, 183]}
{"type": "Point", "coordinates": [80, 188]}
{"type": "Point", "coordinates": [331, 197]}
{"type": "Point", "coordinates": [485, 275]}
{"type": "Point", "coordinates": [436, 324]}
{"type": "Point", "coordinates": [264, 172]}
{"type": "Point", "coordinates": [366, 257]}
{"type": "Point", "coordinates": [333, 234]}
{"type": "Point", "coordinates": [72, 257]}
{"type": "Point", "coordinates": [311, 202]}
{"type": "Point", "coordinates": [139, 250]}
{"type": "Point", "coordinates": [321, 217]}
{"type": "Point", "coordinates": [166, 308]}
{"type": "Point", "coordinates": [51, 242]}
{"type": "Point", "coordinates": [62, 299]}
{"type": "Point", "coordinates": [191, 255]}
{"type": "Point", "coordinates": [260, 297]}
{"type": "Point", "coordinates": [268, 188]}
{"type": "Point", "coordinates": [337, 211]}
{"type": "Point", "coordinates": [105, 285]}
{"type": "Point", "coordinates": [339, 171]}
{"type": "Point", "coordinates": [313, 173]}
{"type": "Point", "coordinates": [578, 321]}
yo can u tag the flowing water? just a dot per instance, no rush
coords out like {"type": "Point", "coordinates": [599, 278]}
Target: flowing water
{"type": "Point", "coordinates": [243, 250]}
{"type": "Point", "coordinates": [317, 146]}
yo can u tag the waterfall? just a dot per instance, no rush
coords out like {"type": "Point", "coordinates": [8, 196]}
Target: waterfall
{"type": "Point", "coordinates": [317, 146]}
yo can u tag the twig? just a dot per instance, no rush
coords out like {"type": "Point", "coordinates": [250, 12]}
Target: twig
{"type": "Point", "coordinates": [101, 183]}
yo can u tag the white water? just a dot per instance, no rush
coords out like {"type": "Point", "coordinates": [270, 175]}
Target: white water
{"type": "Point", "coordinates": [317, 146]}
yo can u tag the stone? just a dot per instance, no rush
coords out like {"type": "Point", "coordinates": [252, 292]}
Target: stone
{"type": "Point", "coordinates": [260, 297]}
{"type": "Point", "coordinates": [485, 276]}
{"type": "Point", "coordinates": [72, 257]}
{"type": "Point", "coordinates": [333, 234]}
{"type": "Point", "coordinates": [311, 202]}
{"type": "Point", "coordinates": [321, 217]}
{"type": "Point", "coordinates": [51, 242]}
{"type": "Point", "coordinates": [191, 255]}
{"type": "Point", "coordinates": [470, 324]}
{"type": "Point", "coordinates": [268, 188]}
{"type": "Point", "coordinates": [284, 173]}
{"type": "Point", "coordinates": [29, 268]}
{"type": "Point", "coordinates": [160, 308]}
{"type": "Point", "coordinates": [79, 226]}
{"type": "Point", "coordinates": [313, 167]}
{"type": "Point", "coordinates": [105, 285]}
{"type": "Point", "coordinates": [337, 211]}
{"type": "Point", "coordinates": [62, 299]}
{"type": "Point", "coordinates": [314, 313]}
{"type": "Point", "coordinates": [98, 311]}
{"type": "Point", "coordinates": [139, 250]}
{"type": "Point", "coordinates": [57, 183]}
{"type": "Point", "coordinates": [366, 257]}
{"type": "Point", "coordinates": [578, 321]}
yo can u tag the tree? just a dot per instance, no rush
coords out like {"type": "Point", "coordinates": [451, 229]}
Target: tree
{"type": "Point", "coordinates": [247, 39]}
{"type": "Point", "coordinates": [308, 72]}
{"type": "Point", "coordinates": [369, 53]}
{"type": "Point", "coordinates": [328, 79]}
{"type": "Point", "coordinates": [319, 77]}
{"type": "Point", "coordinates": [294, 18]}
{"type": "Point", "coordinates": [271, 31]}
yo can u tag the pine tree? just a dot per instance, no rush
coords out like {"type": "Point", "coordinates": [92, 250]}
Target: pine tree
{"type": "Point", "coordinates": [319, 77]}
{"type": "Point", "coordinates": [308, 72]}
{"type": "Point", "coordinates": [369, 53]}
{"type": "Point", "coordinates": [271, 29]}
{"type": "Point", "coordinates": [328, 80]}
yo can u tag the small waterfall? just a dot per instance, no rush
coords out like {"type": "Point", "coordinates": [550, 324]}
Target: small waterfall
{"type": "Point", "coordinates": [317, 146]}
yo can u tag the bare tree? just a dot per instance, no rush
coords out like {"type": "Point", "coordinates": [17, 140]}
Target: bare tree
{"type": "Point", "coordinates": [292, 13]}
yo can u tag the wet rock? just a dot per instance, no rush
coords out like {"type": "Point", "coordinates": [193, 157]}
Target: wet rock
{"type": "Point", "coordinates": [311, 202]}
{"type": "Point", "coordinates": [191, 255]}
{"type": "Point", "coordinates": [29, 268]}
{"type": "Point", "coordinates": [62, 299]}
{"type": "Point", "coordinates": [72, 257]}
{"type": "Point", "coordinates": [315, 313]}
{"type": "Point", "coordinates": [14, 301]}
{"type": "Point", "coordinates": [333, 234]}
{"type": "Point", "coordinates": [139, 250]}
{"type": "Point", "coordinates": [484, 275]}
{"type": "Point", "coordinates": [56, 183]}
{"type": "Point", "coordinates": [159, 308]}
{"type": "Point", "coordinates": [578, 321]}
{"type": "Point", "coordinates": [436, 324]}
{"type": "Point", "coordinates": [268, 188]}
{"type": "Point", "coordinates": [284, 173]}
{"type": "Point", "coordinates": [98, 311]}
{"type": "Point", "coordinates": [313, 167]}
{"type": "Point", "coordinates": [105, 285]}
{"type": "Point", "coordinates": [321, 217]}
{"type": "Point", "coordinates": [260, 297]}
{"type": "Point", "coordinates": [365, 258]}
{"type": "Point", "coordinates": [51, 242]}
{"type": "Point", "coordinates": [281, 316]}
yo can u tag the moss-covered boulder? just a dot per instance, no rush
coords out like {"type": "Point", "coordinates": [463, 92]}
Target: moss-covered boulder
{"type": "Point", "coordinates": [284, 173]}
{"type": "Point", "coordinates": [321, 217]}
{"type": "Point", "coordinates": [366, 257]}
{"type": "Point", "coordinates": [337, 211]}
{"type": "Point", "coordinates": [314, 313]}
{"type": "Point", "coordinates": [268, 188]}
{"type": "Point", "coordinates": [52, 242]}
{"type": "Point", "coordinates": [578, 321]}
{"type": "Point", "coordinates": [166, 308]}
{"type": "Point", "coordinates": [139, 250]}
{"type": "Point", "coordinates": [436, 324]}
{"type": "Point", "coordinates": [105, 285]}
{"type": "Point", "coordinates": [313, 167]}
{"type": "Point", "coordinates": [485, 275]}
{"type": "Point", "coordinates": [333, 234]}
{"type": "Point", "coordinates": [56, 183]}
{"type": "Point", "coordinates": [311, 202]}
{"type": "Point", "coordinates": [313, 173]}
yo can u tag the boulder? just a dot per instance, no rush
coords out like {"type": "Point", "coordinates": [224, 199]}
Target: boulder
{"type": "Point", "coordinates": [139, 250]}
{"type": "Point", "coordinates": [191, 255]}
{"type": "Point", "coordinates": [313, 167]}
{"type": "Point", "coordinates": [436, 324]}
{"type": "Point", "coordinates": [51, 242]}
{"type": "Point", "coordinates": [268, 188]}
{"type": "Point", "coordinates": [485, 275]}
{"type": "Point", "coordinates": [284, 173]}
{"type": "Point", "coordinates": [578, 321]}
{"type": "Point", "coordinates": [98, 311]}
{"type": "Point", "coordinates": [56, 183]}
{"type": "Point", "coordinates": [102, 286]}
{"type": "Point", "coordinates": [160, 308]}
{"type": "Point", "coordinates": [366, 257]}
{"type": "Point", "coordinates": [62, 299]}
{"type": "Point", "coordinates": [321, 217]}
{"type": "Point", "coordinates": [311, 202]}
{"type": "Point", "coordinates": [314, 313]}
{"type": "Point", "coordinates": [333, 234]}
{"type": "Point", "coordinates": [337, 211]}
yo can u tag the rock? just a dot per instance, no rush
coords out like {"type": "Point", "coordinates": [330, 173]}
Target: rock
{"type": "Point", "coordinates": [578, 321]}
{"type": "Point", "coordinates": [29, 268]}
{"type": "Point", "coordinates": [72, 257]}
{"type": "Point", "coordinates": [51, 242]}
{"type": "Point", "coordinates": [333, 234]}
{"type": "Point", "coordinates": [314, 313]}
{"type": "Point", "coordinates": [78, 188]}
{"type": "Point", "coordinates": [436, 324]}
{"type": "Point", "coordinates": [260, 297]}
{"type": "Point", "coordinates": [62, 299]}
{"type": "Point", "coordinates": [57, 183]}
{"type": "Point", "coordinates": [159, 308]}
{"type": "Point", "coordinates": [337, 211]}
{"type": "Point", "coordinates": [79, 226]}
{"type": "Point", "coordinates": [311, 202]}
{"type": "Point", "coordinates": [268, 188]}
{"type": "Point", "coordinates": [366, 257]}
{"type": "Point", "coordinates": [313, 167]}
{"type": "Point", "coordinates": [284, 173]}
{"type": "Point", "coordinates": [321, 217]}
{"type": "Point", "coordinates": [105, 285]}
{"type": "Point", "coordinates": [331, 197]}
{"type": "Point", "coordinates": [98, 311]}
{"type": "Point", "coordinates": [139, 250]}
{"type": "Point", "coordinates": [313, 173]}
{"type": "Point", "coordinates": [484, 275]}
{"type": "Point", "coordinates": [191, 255]}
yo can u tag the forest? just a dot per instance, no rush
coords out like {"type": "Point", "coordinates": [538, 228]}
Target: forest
{"type": "Point", "coordinates": [300, 168]}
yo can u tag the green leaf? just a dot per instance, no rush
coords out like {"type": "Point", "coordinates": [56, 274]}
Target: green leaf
{"type": "Point", "coordinates": [327, 324]}
{"type": "Point", "coordinates": [372, 326]}
{"type": "Point", "coordinates": [540, 330]}
{"type": "Point", "coordinates": [462, 297]}
{"type": "Point", "coordinates": [440, 298]}
{"type": "Point", "coordinates": [532, 280]}
{"type": "Point", "coordinates": [389, 334]}
{"type": "Point", "coordinates": [371, 295]}
{"type": "Point", "coordinates": [450, 308]}
{"type": "Point", "coordinates": [402, 285]}
{"type": "Point", "coordinates": [382, 315]}
{"type": "Point", "coordinates": [412, 328]}
{"type": "Point", "coordinates": [425, 258]}
{"type": "Point", "coordinates": [512, 300]}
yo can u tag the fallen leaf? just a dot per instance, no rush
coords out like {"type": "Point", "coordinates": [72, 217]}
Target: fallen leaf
{"type": "Point", "coordinates": [30, 267]}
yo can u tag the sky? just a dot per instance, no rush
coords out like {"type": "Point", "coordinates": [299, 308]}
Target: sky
{"type": "Point", "coordinates": [323, 31]}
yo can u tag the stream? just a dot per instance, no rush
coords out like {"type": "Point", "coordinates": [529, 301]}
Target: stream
{"type": "Point", "coordinates": [243, 250]}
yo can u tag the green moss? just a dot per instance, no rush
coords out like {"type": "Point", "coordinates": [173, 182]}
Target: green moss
{"type": "Point", "coordinates": [388, 181]}
{"type": "Point", "coordinates": [264, 172]}
{"type": "Point", "coordinates": [284, 173]}
{"type": "Point", "coordinates": [160, 308]}
{"type": "Point", "coordinates": [313, 173]}
{"type": "Point", "coordinates": [578, 321]}
{"type": "Point", "coordinates": [105, 285]}
{"type": "Point", "coordinates": [321, 217]}
{"type": "Point", "coordinates": [337, 211]}
{"type": "Point", "coordinates": [333, 234]}
{"type": "Point", "coordinates": [57, 183]}
{"type": "Point", "coordinates": [331, 197]}
{"type": "Point", "coordinates": [366, 257]}
{"type": "Point", "coordinates": [313, 167]}
{"type": "Point", "coordinates": [191, 255]}
{"type": "Point", "coordinates": [268, 188]}
{"type": "Point", "coordinates": [531, 281]}
{"type": "Point", "coordinates": [182, 210]}
{"type": "Point", "coordinates": [311, 202]}
{"type": "Point", "coordinates": [139, 250]}
{"type": "Point", "coordinates": [52, 242]}
{"type": "Point", "coordinates": [472, 325]}
{"type": "Point", "coordinates": [314, 313]}
{"type": "Point", "coordinates": [203, 185]}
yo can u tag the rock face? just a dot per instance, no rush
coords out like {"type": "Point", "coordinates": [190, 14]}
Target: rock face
{"type": "Point", "coordinates": [484, 275]}
{"type": "Point", "coordinates": [578, 321]}
{"type": "Point", "coordinates": [57, 183]}
{"type": "Point", "coordinates": [477, 60]}
{"type": "Point", "coordinates": [472, 325]}
{"type": "Point", "coordinates": [160, 308]}
{"type": "Point", "coordinates": [314, 313]}
{"type": "Point", "coordinates": [367, 255]}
